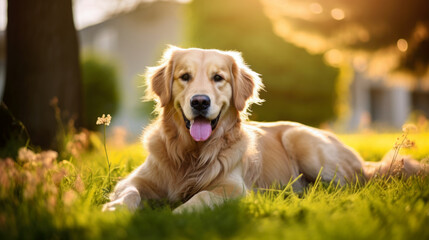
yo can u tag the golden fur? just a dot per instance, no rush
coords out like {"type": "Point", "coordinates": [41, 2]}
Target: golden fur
{"type": "Point", "coordinates": [239, 155]}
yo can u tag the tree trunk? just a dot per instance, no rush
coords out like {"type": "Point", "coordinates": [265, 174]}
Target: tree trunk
{"type": "Point", "coordinates": [42, 63]}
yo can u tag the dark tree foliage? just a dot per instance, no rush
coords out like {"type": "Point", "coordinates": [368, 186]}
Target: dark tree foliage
{"type": "Point", "coordinates": [299, 86]}
{"type": "Point", "coordinates": [383, 22]}
{"type": "Point", "coordinates": [42, 63]}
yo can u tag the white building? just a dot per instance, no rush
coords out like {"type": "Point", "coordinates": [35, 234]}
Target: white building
{"type": "Point", "coordinates": [384, 105]}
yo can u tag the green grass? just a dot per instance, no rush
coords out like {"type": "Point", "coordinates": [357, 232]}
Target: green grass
{"type": "Point", "coordinates": [63, 201]}
{"type": "Point", "coordinates": [373, 146]}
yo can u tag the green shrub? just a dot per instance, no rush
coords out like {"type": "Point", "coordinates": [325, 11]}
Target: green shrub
{"type": "Point", "coordinates": [100, 85]}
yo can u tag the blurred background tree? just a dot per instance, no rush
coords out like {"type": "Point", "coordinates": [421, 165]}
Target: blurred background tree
{"type": "Point", "coordinates": [100, 88]}
{"type": "Point", "coordinates": [364, 25]}
{"type": "Point", "coordinates": [383, 47]}
{"type": "Point", "coordinates": [42, 64]}
{"type": "Point", "coordinates": [299, 86]}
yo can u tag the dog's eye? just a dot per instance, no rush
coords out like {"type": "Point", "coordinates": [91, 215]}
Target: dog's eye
{"type": "Point", "coordinates": [217, 78]}
{"type": "Point", "coordinates": [185, 77]}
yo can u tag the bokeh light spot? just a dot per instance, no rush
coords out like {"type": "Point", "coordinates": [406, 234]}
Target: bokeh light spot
{"type": "Point", "coordinates": [402, 45]}
{"type": "Point", "coordinates": [316, 8]}
{"type": "Point", "coordinates": [338, 14]}
{"type": "Point", "coordinates": [334, 57]}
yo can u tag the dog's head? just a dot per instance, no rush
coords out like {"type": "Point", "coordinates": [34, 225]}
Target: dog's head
{"type": "Point", "coordinates": [202, 86]}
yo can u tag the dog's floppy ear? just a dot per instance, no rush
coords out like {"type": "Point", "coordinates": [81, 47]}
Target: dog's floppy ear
{"type": "Point", "coordinates": [159, 79]}
{"type": "Point", "coordinates": [245, 83]}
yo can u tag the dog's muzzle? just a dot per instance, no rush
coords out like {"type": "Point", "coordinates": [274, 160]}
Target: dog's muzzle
{"type": "Point", "coordinates": [201, 128]}
{"type": "Point", "coordinates": [213, 122]}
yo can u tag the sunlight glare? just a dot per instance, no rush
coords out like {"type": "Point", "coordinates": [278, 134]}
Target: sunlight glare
{"type": "Point", "coordinates": [312, 42]}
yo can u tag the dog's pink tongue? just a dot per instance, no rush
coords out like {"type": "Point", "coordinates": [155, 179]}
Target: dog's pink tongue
{"type": "Point", "coordinates": [201, 129]}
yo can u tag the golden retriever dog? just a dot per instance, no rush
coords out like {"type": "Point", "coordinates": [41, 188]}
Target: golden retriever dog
{"type": "Point", "coordinates": [203, 150]}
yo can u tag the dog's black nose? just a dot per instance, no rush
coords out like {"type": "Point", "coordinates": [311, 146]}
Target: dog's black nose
{"type": "Point", "coordinates": [200, 102]}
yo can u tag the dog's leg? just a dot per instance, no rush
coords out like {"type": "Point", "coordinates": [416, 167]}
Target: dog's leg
{"type": "Point", "coordinates": [129, 197]}
{"type": "Point", "coordinates": [232, 187]}
{"type": "Point", "coordinates": [315, 150]}
{"type": "Point", "coordinates": [130, 191]}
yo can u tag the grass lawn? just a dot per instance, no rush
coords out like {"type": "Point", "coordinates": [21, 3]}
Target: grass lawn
{"type": "Point", "coordinates": [45, 199]}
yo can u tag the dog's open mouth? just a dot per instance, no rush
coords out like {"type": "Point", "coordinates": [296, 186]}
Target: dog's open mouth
{"type": "Point", "coordinates": [201, 128]}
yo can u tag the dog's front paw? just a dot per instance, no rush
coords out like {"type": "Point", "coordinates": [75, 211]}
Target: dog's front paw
{"type": "Point", "coordinates": [186, 207]}
{"type": "Point", "coordinates": [131, 202]}
{"type": "Point", "coordinates": [113, 206]}
{"type": "Point", "coordinates": [179, 210]}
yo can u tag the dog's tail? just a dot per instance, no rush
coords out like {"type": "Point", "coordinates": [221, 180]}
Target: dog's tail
{"type": "Point", "coordinates": [395, 165]}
